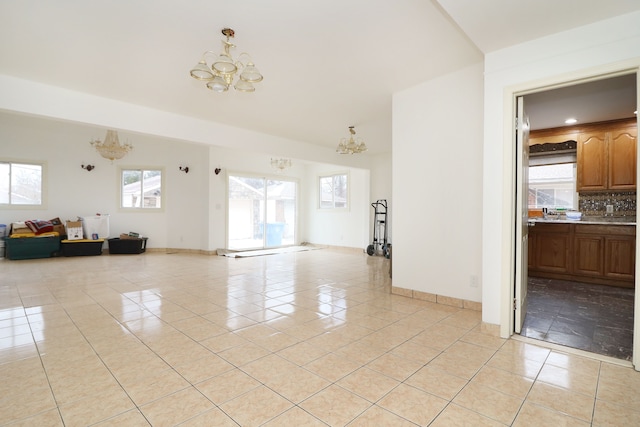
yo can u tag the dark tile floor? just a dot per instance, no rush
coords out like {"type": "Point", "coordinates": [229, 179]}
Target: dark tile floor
{"type": "Point", "coordinates": [595, 318]}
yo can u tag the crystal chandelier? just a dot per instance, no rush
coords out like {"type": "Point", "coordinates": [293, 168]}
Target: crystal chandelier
{"type": "Point", "coordinates": [221, 73]}
{"type": "Point", "coordinates": [111, 148]}
{"type": "Point", "coordinates": [280, 164]}
{"type": "Point", "coordinates": [351, 145]}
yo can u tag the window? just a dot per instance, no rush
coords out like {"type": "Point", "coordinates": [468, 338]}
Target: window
{"type": "Point", "coordinates": [21, 184]}
{"type": "Point", "coordinates": [553, 186]}
{"type": "Point", "coordinates": [141, 188]}
{"type": "Point", "coordinates": [334, 192]}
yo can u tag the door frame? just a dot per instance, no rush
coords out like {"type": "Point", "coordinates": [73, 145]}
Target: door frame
{"type": "Point", "coordinates": [521, 243]}
{"type": "Point", "coordinates": [514, 218]}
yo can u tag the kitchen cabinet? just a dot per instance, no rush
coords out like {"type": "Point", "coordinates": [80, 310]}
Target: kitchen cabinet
{"type": "Point", "coordinates": [592, 161]}
{"type": "Point", "coordinates": [622, 158]}
{"type": "Point", "coordinates": [552, 247]}
{"type": "Point", "coordinates": [588, 254]}
{"type": "Point", "coordinates": [606, 156]}
{"type": "Point", "coordinates": [591, 253]}
{"type": "Point", "coordinates": [619, 261]}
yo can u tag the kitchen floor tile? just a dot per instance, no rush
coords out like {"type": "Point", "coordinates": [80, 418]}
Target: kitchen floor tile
{"type": "Point", "coordinates": [594, 318]}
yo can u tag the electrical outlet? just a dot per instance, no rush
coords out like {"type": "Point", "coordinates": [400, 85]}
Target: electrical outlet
{"type": "Point", "coordinates": [474, 281]}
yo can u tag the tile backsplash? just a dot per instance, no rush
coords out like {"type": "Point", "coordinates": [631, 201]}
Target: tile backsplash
{"type": "Point", "coordinates": [595, 203]}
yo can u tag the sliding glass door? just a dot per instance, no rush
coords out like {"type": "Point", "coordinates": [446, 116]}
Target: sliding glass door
{"type": "Point", "coordinates": [262, 212]}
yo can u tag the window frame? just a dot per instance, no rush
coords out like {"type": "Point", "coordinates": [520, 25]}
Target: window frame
{"type": "Point", "coordinates": [333, 208]}
{"type": "Point", "coordinates": [43, 185]}
{"type": "Point", "coordinates": [142, 209]}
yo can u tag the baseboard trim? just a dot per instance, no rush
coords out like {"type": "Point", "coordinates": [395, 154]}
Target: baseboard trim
{"type": "Point", "coordinates": [438, 299]}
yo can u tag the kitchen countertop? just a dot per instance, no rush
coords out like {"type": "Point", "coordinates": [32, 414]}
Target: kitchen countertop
{"type": "Point", "coordinates": [601, 220]}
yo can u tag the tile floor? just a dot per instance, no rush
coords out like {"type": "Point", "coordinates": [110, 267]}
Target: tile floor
{"type": "Point", "coordinates": [593, 318]}
{"type": "Point", "coordinates": [303, 339]}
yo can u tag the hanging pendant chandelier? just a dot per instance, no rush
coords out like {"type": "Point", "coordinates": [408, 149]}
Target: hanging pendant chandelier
{"type": "Point", "coordinates": [111, 148]}
{"type": "Point", "coordinates": [222, 72]}
{"type": "Point", "coordinates": [280, 165]}
{"type": "Point", "coordinates": [351, 145]}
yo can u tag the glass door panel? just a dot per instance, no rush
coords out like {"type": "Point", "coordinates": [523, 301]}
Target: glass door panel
{"type": "Point", "coordinates": [281, 213]}
{"type": "Point", "coordinates": [262, 213]}
{"type": "Point", "coordinates": [246, 212]}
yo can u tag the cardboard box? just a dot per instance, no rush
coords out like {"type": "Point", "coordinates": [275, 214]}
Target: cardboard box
{"type": "Point", "coordinates": [74, 230]}
{"type": "Point", "coordinates": [58, 226]}
{"type": "Point", "coordinates": [131, 235]}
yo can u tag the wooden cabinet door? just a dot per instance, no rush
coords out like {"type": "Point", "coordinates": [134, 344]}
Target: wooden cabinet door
{"type": "Point", "coordinates": [592, 161]}
{"type": "Point", "coordinates": [588, 255]}
{"type": "Point", "coordinates": [622, 159]}
{"type": "Point", "coordinates": [552, 252]}
{"type": "Point", "coordinates": [620, 257]}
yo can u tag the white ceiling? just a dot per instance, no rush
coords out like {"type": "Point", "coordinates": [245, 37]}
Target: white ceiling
{"type": "Point", "coordinates": [326, 64]}
{"type": "Point", "coordinates": [607, 99]}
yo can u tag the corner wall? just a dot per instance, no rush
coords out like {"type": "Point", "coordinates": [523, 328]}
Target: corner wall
{"type": "Point", "coordinates": [437, 186]}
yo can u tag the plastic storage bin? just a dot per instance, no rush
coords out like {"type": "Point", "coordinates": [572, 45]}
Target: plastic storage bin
{"type": "Point", "coordinates": [127, 246]}
{"type": "Point", "coordinates": [96, 226]}
{"type": "Point", "coordinates": [31, 247]}
{"type": "Point", "coordinates": [81, 247]}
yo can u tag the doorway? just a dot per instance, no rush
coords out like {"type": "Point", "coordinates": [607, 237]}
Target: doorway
{"type": "Point", "coordinates": [262, 212]}
{"type": "Point", "coordinates": [591, 317]}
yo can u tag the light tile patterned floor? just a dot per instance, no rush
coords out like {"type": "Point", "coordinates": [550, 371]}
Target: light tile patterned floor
{"type": "Point", "coordinates": [302, 339]}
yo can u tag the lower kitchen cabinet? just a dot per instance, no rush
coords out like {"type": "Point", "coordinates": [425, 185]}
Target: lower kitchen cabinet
{"type": "Point", "coordinates": [552, 248]}
{"type": "Point", "coordinates": [588, 255]}
{"type": "Point", "coordinates": [619, 262]}
{"type": "Point", "coordinates": [592, 253]}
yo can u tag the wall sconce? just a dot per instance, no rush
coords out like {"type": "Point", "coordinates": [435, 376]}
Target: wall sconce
{"type": "Point", "coordinates": [217, 171]}
{"type": "Point", "coordinates": [88, 168]}
{"type": "Point", "coordinates": [184, 169]}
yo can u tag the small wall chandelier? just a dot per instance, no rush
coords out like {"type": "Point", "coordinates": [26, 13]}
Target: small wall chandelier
{"type": "Point", "coordinates": [351, 145]}
{"type": "Point", "coordinates": [280, 164]}
{"type": "Point", "coordinates": [221, 73]}
{"type": "Point", "coordinates": [111, 148]}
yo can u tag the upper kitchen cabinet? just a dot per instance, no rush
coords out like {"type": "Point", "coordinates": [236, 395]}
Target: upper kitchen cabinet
{"type": "Point", "coordinates": [622, 158]}
{"type": "Point", "coordinates": [606, 156]}
{"type": "Point", "coordinates": [592, 161]}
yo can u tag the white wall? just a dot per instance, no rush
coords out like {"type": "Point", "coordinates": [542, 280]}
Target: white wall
{"type": "Point", "coordinates": [195, 203]}
{"type": "Point", "coordinates": [348, 228]}
{"type": "Point", "coordinates": [595, 49]}
{"type": "Point", "coordinates": [437, 185]}
{"type": "Point", "coordinates": [72, 191]}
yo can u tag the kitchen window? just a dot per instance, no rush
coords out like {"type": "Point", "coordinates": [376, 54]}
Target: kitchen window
{"type": "Point", "coordinates": [553, 186]}
{"type": "Point", "coordinates": [21, 184]}
{"type": "Point", "coordinates": [334, 191]}
{"type": "Point", "coordinates": [141, 189]}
